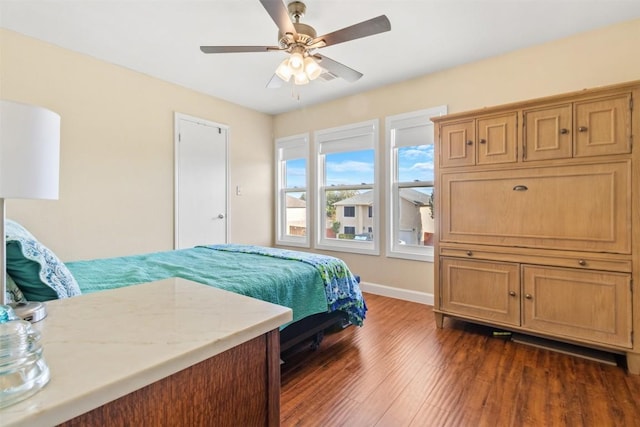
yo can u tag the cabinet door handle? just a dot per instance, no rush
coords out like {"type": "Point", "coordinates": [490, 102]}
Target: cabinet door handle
{"type": "Point", "coordinates": [528, 296]}
{"type": "Point", "coordinates": [483, 141]}
{"type": "Point", "coordinates": [520, 188]}
{"type": "Point", "coordinates": [469, 253]}
{"type": "Point", "coordinates": [564, 131]}
{"type": "Point", "coordinates": [582, 262]}
{"type": "Point", "coordinates": [582, 129]}
{"type": "Point", "coordinates": [469, 142]}
{"type": "Point", "coordinates": [512, 293]}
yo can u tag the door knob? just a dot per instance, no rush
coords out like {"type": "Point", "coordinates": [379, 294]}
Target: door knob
{"type": "Point", "coordinates": [220, 216]}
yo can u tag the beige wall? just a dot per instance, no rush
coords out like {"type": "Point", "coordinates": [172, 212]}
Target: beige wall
{"type": "Point", "coordinates": [601, 57]}
{"type": "Point", "coordinates": [116, 183]}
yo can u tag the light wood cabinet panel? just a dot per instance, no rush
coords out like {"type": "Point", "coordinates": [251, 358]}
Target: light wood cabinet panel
{"type": "Point", "coordinates": [548, 133]}
{"type": "Point", "coordinates": [497, 139]}
{"type": "Point", "coordinates": [458, 144]}
{"type": "Point", "coordinates": [488, 140]}
{"type": "Point", "coordinates": [487, 290]}
{"type": "Point", "coordinates": [585, 305]}
{"type": "Point", "coordinates": [582, 207]}
{"type": "Point", "coordinates": [603, 126]}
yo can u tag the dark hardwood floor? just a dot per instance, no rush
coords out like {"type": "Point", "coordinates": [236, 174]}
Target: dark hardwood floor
{"type": "Point", "coordinates": [400, 370]}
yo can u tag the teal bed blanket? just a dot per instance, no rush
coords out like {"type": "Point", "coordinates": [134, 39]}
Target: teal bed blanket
{"type": "Point", "coordinates": [306, 283]}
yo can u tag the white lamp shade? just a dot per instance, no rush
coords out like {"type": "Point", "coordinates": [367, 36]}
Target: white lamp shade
{"type": "Point", "coordinates": [283, 71]}
{"type": "Point", "coordinates": [300, 78]}
{"type": "Point", "coordinates": [29, 151]}
{"type": "Point", "coordinates": [296, 62]}
{"type": "Point", "coordinates": [312, 68]}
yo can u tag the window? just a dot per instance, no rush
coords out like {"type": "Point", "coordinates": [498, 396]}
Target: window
{"type": "Point", "coordinates": [292, 181]}
{"type": "Point", "coordinates": [410, 146]}
{"type": "Point", "coordinates": [347, 162]}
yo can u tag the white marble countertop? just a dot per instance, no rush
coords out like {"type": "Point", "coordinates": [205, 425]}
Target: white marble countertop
{"type": "Point", "coordinates": [104, 345]}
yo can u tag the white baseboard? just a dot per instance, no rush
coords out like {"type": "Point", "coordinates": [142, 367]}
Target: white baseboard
{"type": "Point", "coordinates": [403, 294]}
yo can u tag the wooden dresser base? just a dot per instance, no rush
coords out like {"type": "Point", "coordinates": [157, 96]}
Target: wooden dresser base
{"type": "Point", "coordinates": [240, 387]}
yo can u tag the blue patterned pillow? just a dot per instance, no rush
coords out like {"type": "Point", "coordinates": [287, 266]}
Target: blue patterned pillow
{"type": "Point", "coordinates": [37, 271]}
{"type": "Point", "coordinates": [14, 294]}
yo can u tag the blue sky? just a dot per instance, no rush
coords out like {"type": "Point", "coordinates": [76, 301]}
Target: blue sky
{"type": "Point", "coordinates": [356, 167]}
{"type": "Point", "coordinates": [416, 163]}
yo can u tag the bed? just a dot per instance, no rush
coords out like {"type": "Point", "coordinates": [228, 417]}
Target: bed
{"type": "Point", "coordinates": [321, 290]}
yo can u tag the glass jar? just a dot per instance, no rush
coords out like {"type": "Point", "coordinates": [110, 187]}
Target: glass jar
{"type": "Point", "coordinates": [23, 370]}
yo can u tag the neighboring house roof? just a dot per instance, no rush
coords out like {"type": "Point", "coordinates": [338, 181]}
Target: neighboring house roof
{"type": "Point", "coordinates": [412, 196]}
{"type": "Point", "coordinates": [365, 198]}
{"type": "Point", "coordinates": [418, 198]}
{"type": "Point", "coordinates": [294, 202]}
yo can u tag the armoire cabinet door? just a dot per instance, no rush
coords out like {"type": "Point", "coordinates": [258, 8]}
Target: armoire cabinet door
{"type": "Point", "coordinates": [548, 133]}
{"type": "Point", "coordinates": [603, 126]}
{"type": "Point", "coordinates": [577, 207]}
{"type": "Point", "coordinates": [481, 289]}
{"type": "Point", "coordinates": [497, 139]}
{"type": "Point", "coordinates": [586, 305]}
{"type": "Point", "coordinates": [458, 144]}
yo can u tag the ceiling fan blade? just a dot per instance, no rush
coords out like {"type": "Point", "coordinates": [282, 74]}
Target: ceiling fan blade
{"type": "Point", "coordinates": [280, 15]}
{"type": "Point", "coordinates": [373, 26]}
{"type": "Point", "coordinates": [237, 49]}
{"type": "Point", "coordinates": [340, 70]}
{"type": "Point", "coordinates": [275, 82]}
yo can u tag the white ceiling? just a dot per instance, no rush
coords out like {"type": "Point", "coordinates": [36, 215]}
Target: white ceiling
{"type": "Point", "coordinates": [162, 38]}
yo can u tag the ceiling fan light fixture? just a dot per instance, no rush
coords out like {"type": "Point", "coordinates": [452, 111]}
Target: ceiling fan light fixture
{"type": "Point", "coordinates": [300, 78]}
{"type": "Point", "coordinates": [296, 62]}
{"type": "Point", "coordinates": [284, 71]}
{"type": "Point", "coordinates": [311, 68]}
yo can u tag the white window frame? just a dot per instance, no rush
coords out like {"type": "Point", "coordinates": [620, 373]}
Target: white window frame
{"type": "Point", "coordinates": [353, 137]}
{"type": "Point", "coordinates": [417, 126]}
{"type": "Point", "coordinates": [290, 148]}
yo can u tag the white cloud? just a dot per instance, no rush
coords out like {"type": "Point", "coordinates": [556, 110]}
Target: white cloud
{"type": "Point", "coordinates": [349, 166]}
{"type": "Point", "coordinates": [422, 167]}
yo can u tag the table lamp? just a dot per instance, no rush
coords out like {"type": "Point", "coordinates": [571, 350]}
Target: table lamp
{"type": "Point", "coordinates": [29, 169]}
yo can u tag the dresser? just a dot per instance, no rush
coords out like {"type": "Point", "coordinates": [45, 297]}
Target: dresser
{"type": "Point", "coordinates": [537, 207]}
{"type": "Point", "coordinates": [165, 353]}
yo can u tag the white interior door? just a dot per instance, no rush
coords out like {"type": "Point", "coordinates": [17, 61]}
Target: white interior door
{"type": "Point", "coordinates": [200, 182]}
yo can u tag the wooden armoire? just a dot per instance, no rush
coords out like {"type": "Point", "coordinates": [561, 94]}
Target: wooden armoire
{"type": "Point", "coordinates": [537, 207]}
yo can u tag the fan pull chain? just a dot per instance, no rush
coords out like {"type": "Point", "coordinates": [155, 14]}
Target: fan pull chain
{"type": "Point", "coordinates": [295, 94]}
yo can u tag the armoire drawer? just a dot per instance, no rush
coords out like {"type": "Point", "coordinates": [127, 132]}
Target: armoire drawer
{"type": "Point", "coordinates": [585, 260]}
{"type": "Point", "coordinates": [577, 207]}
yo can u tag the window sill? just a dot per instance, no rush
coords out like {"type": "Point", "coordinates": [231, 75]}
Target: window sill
{"type": "Point", "coordinates": [426, 256]}
{"type": "Point", "coordinates": [357, 248]}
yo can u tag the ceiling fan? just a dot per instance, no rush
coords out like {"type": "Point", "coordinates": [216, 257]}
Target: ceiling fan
{"type": "Point", "coordinates": [301, 42]}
